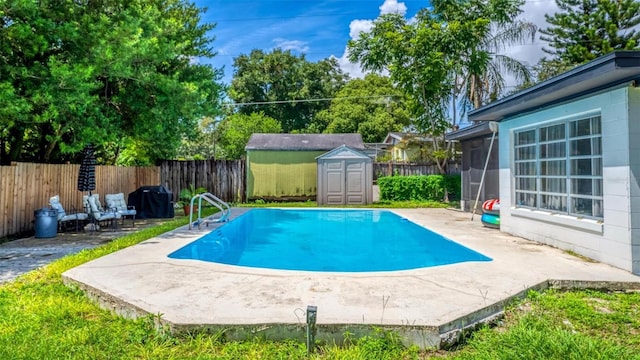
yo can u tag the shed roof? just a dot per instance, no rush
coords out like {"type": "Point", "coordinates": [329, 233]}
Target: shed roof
{"type": "Point", "coordinates": [613, 69]}
{"type": "Point", "coordinates": [309, 142]}
{"type": "Point", "coordinates": [344, 152]}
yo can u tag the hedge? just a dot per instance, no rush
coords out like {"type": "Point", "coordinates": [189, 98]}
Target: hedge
{"type": "Point", "coordinates": [419, 187]}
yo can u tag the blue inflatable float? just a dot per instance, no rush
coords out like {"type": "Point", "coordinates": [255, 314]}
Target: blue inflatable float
{"type": "Point", "coordinates": [490, 220]}
{"type": "Point", "coordinates": [491, 213]}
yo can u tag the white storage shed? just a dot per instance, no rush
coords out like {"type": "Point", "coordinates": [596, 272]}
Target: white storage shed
{"type": "Point", "coordinates": [345, 176]}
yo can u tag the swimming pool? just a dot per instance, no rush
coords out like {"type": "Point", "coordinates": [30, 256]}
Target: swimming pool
{"type": "Point", "coordinates": [326, 240]}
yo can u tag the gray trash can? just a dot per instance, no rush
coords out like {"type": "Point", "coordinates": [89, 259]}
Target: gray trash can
{"type": "Point", "coordinates": [46, 223]}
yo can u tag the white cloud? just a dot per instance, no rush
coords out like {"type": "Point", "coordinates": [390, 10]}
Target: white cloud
{"type": "Point", "coordinates": [393, 7]}
{"type": "Point", "coordinates": [358, 26]}
{"type": "Point", "coordinates": [296, 45]}
{"type": "Point", "coordinates": [353, 69]}
{"type": "Point", "coordinates": [529, 53]}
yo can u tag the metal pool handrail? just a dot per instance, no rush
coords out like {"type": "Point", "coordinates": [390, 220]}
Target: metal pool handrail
{"type": "Point", "coordinates": [225, 209]}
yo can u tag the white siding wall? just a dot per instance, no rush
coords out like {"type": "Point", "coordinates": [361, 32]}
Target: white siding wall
{"type": "Point", "coordinates": [634, 172]}
{"type": "Point", "coordinates": [609, 241]}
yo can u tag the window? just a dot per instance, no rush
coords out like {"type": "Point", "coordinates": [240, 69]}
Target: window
{"type": "Point", "coordinates": [558, 167]}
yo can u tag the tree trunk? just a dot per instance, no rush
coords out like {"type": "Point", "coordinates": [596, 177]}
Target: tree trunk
{"type": "Point", "coordinates": [48, 150]}
{"type": "Point", "coordinates": [15, 140]}
{"type": "Point", "coordinates": [4, 157]}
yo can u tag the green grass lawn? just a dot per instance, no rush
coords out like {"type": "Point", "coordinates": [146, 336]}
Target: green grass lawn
{"type": "Point", "coordinates": [41, 318]}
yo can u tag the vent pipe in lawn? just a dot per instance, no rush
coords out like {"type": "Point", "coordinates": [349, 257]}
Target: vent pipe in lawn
{"type": "Point", "coordinates": [312, 314]}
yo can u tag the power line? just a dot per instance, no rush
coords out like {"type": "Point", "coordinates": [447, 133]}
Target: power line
{"type": "Point", "coordinates": [309, 100]}
{"type": "Point", "coordinates": [275, 46]}
{"type": "Point", "coordinates": [322, 54]}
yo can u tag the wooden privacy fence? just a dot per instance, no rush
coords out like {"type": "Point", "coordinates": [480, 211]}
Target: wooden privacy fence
{"type": "Point", "coordinates": [388, 169]}
{"type": "Point", "coordinates": [225, 179]}
{"type": "Point", "coordinates": [26, 187]}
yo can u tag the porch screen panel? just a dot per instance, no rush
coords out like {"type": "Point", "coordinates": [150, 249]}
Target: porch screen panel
{"type": "Point", "coordinates": [558, 167]}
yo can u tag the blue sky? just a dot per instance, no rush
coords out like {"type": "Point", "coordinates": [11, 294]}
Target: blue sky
{"type": "Point", "coordinates": [319, 28]}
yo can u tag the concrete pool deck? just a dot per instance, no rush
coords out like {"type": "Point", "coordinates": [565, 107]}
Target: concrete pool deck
{"type": "Point", "coordinates": [428, 307]}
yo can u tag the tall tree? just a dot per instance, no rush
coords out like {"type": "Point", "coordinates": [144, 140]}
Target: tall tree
{"type": "Point", "coordinates": [585, 29]}
{"type": "Point", "coordinates": [203, 144]}
{"type": "Point", "coordinates": [483, 87]}
{"type": "Point", "coordinates": [119, 74]}
{"type": "Point", "coordinates": [371, 107]}
{"type": "Point", "coordinates": [235, 130]}
{"type": "Point", "coordinates": [287, 85]}
{"type": "Point", "coordinates": [436, 57]}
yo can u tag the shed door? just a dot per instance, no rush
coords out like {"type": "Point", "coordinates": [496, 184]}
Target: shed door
{"type": "Point", "coordinates": [335, 174]}
{"type": "Point", "coordinates": [354, 180]}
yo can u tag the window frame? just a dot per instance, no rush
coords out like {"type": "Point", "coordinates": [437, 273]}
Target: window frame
{"type": "Point", "coordinates": [557, 166]}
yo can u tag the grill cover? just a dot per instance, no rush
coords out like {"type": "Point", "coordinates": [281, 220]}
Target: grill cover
{"type": "Point", "coordinates": [152, 202]}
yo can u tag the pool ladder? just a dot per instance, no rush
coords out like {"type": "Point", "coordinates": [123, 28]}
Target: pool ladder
{"type": "Point", "coordinates": [224, 208]}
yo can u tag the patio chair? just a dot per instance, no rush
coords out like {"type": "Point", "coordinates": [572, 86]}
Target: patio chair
{"type": "Point", "coordinates": [116, 201]}
{"type": "Point", "coordinates": [97, 214]}
{"type": "Point", "coordinates": [65, 218]}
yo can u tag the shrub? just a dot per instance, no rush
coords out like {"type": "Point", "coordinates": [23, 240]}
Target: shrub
{"type": "Point", "coordinates": [420, 187]}
{"type": "Point", "coordinates": [454, 185]}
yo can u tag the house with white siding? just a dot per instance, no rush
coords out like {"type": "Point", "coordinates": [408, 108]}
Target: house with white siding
{"type": "Point", "coordinates": [569, 160]}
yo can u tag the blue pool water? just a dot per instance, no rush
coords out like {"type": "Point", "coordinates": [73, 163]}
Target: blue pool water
{"type": "Point", "coordinates": [326, 240]}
